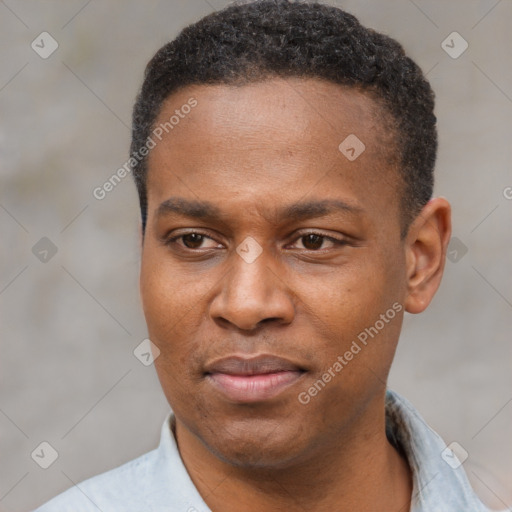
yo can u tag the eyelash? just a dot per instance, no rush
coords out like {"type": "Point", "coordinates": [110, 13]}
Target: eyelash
{"type": "Point", "coordinates": [336, 241]}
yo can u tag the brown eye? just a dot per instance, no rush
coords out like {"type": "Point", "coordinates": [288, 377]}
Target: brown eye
{"type": "Point", "coordinates": [192, 240]}
{"type": "Point", "coordinates": [312, 241]}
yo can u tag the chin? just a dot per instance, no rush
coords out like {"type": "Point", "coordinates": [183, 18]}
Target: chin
{"type": "Point", "coordinates": [256, 446]}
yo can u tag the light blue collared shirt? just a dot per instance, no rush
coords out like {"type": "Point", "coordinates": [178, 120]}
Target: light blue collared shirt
{"type": "Point", "coordinates": [159, 482]}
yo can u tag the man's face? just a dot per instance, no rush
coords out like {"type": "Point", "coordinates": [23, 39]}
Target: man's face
{"type": "Point", "coordinates": [247, 326]}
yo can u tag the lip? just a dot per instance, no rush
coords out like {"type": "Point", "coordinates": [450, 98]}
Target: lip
{"type": "Point", "coordinates": [252, 379]}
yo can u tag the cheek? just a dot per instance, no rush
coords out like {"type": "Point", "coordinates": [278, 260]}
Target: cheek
{"type": "Point", "coordinates": [171, 310]}
{"type": "Point", "coordinates": [344, 307]}
{"type": "Point", "coordinates": [346, 298]}
{"type": "Point", "coordinates": [165, 294]}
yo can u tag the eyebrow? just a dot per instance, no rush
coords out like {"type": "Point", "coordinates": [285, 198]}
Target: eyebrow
{"type": "Point", "coordinates": [188, 208]}
{"type": "Point", "coordinates": [205, 210]}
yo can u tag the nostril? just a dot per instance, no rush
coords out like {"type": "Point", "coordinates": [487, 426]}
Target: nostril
{"type": "Point", "coordinates": [267, 320]}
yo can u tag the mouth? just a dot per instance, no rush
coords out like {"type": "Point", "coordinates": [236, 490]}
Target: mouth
{"type": "Point", "coordinates": [252, 379]}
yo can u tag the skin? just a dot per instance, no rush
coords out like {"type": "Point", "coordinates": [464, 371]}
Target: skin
{"type": "Point", "coordinates": [249, 151]}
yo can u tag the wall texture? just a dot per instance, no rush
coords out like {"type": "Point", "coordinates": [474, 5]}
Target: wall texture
{"type": "Point", "coordinates": [70, 311]}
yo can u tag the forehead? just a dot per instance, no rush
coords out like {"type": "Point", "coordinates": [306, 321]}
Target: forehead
{"type": "Point", "coordinates": [295, 106]}
{"type": "Point", "coordinates": [279, 132]}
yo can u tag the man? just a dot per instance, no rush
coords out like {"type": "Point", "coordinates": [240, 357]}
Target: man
{"type": "Point", "coordinates": [284, 157]}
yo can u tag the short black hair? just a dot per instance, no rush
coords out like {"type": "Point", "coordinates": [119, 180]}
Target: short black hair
{"type": "Point", "coordinates": [257, 40]}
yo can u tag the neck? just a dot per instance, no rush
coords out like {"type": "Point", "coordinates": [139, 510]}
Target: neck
{"type": "Point", "coordinates": [359, 470]}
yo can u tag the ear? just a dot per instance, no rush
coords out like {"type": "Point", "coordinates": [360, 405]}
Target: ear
{"type": "Point", "coordinates": [426, 245]}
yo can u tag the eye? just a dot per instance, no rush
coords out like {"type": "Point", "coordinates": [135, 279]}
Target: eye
{"type": "Point", "coordinates": [192, 241]}
{"type": "Point", "coordinates": [314, 241]}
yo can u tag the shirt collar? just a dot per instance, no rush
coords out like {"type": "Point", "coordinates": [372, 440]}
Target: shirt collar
{"type": "Point", "coordinates": [437, 485]}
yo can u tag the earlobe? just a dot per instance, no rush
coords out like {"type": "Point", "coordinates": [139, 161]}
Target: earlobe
{"type": "Point", "coordinates": [426, 246]}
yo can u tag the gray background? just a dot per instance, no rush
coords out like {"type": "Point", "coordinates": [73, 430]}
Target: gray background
{"type": "Point", "coordinates": [69, 325]}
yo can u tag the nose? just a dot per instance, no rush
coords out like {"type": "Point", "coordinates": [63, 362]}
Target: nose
{"type": "Point", "coordinates": [253, 293]}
